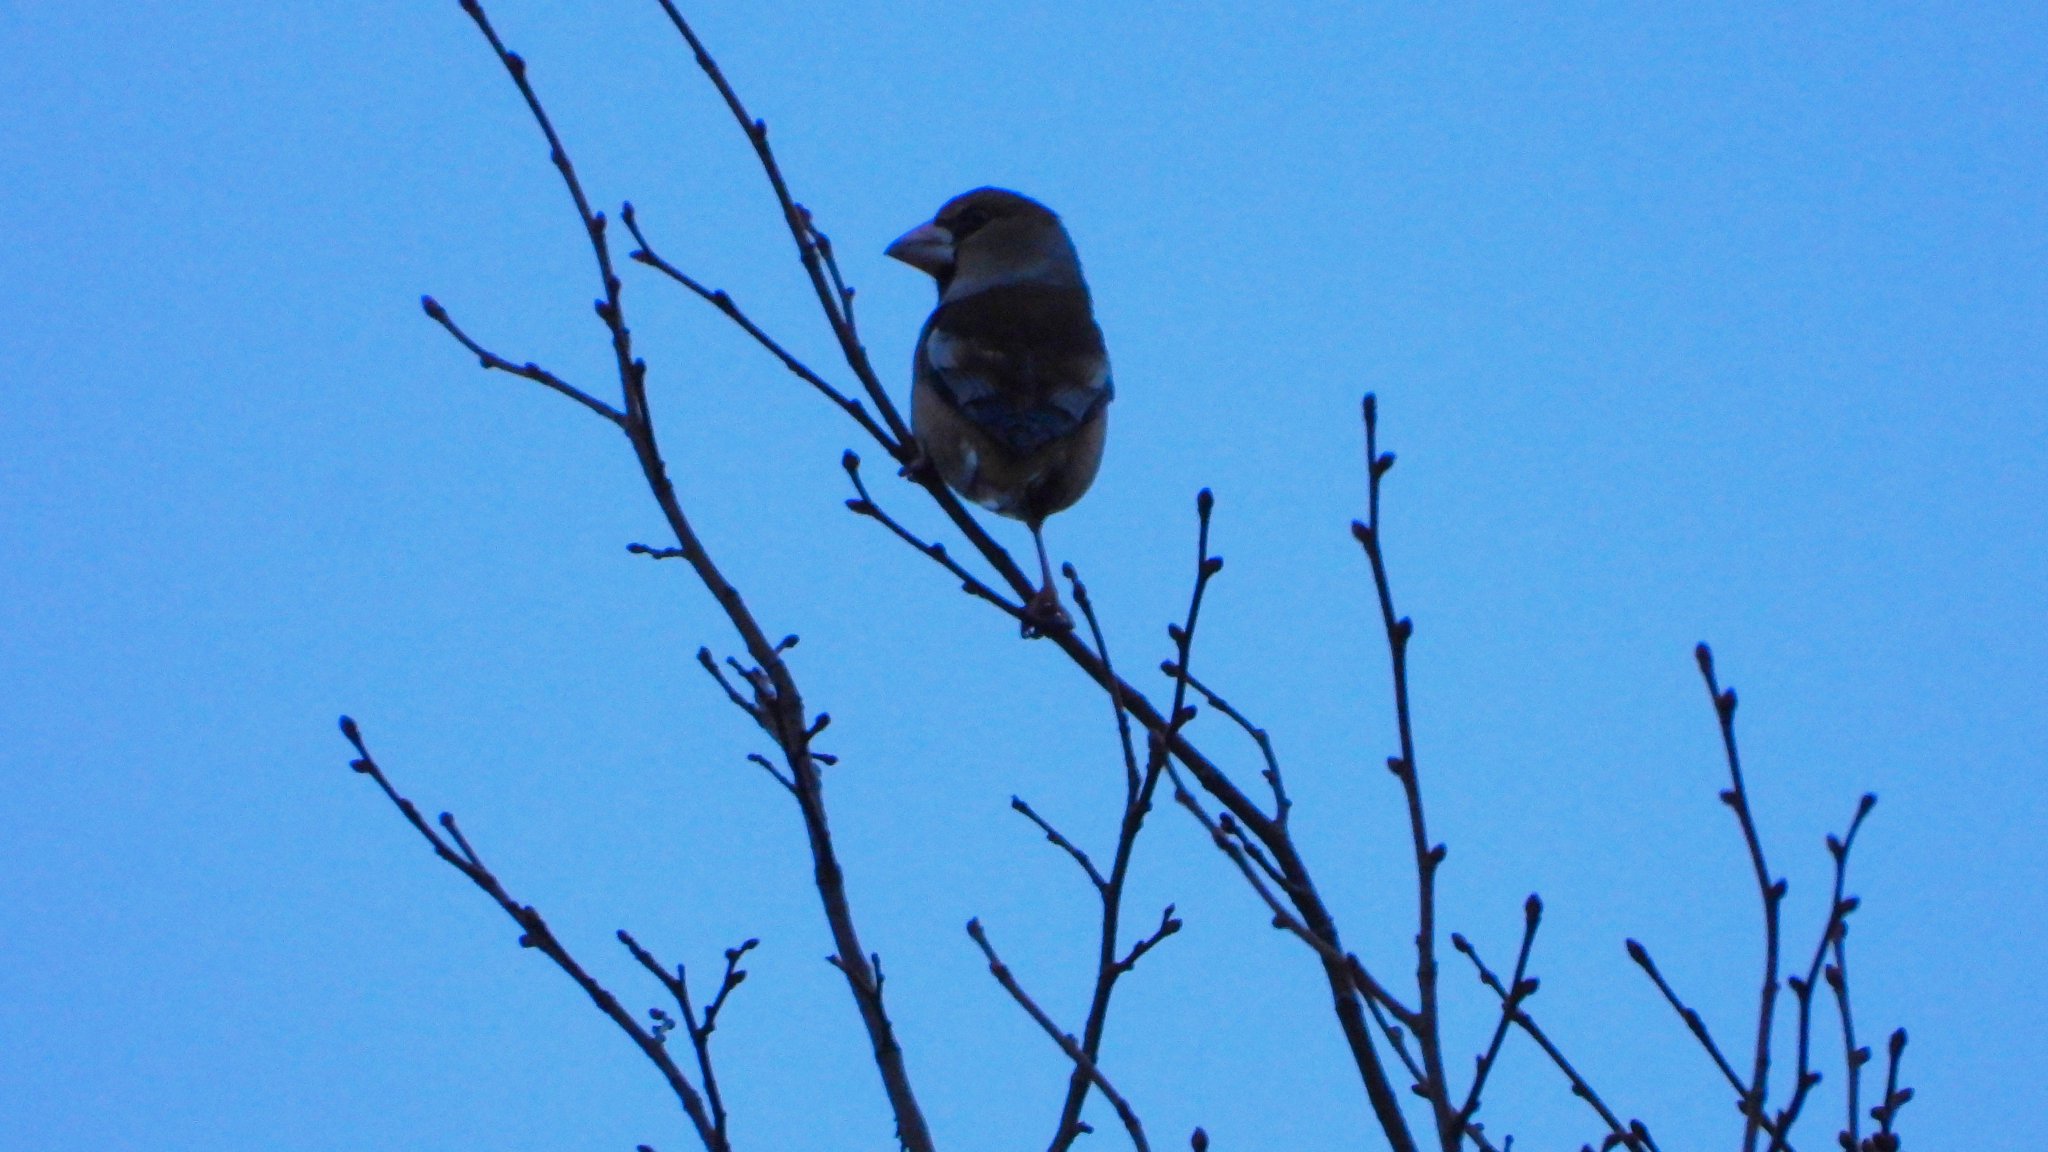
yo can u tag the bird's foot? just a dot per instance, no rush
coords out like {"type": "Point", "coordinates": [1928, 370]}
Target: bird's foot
{"type": "Point", "coordinates": [919, 469]}
{"type": "Point", "coordinates": [1043, 615]}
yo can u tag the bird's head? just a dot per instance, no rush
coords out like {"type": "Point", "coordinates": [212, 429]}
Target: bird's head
{"type": "Point", "coordinates": [989, 238]}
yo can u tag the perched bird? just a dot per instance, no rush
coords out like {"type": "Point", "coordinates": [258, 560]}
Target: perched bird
{"type": "Point", "coordinates": [1010, 388]}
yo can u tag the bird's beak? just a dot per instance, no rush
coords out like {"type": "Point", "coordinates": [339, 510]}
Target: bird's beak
{"type": "Point", "coordinates": [927, 247]}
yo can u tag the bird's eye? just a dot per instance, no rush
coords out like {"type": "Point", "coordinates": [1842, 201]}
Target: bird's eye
{"type": "Point", "coordinates": [968, 220]}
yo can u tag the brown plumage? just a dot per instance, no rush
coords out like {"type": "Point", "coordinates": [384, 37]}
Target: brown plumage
{"type": "Point", "coordinates": [1011, 386]}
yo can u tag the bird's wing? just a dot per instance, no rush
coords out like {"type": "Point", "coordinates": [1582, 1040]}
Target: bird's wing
{"type": "Point", "coordinates": [1027, 367]}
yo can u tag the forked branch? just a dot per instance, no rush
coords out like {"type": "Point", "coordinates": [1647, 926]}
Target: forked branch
{"type": "Point", "coordinates": [453, 847]}
{"type": "Point", "coordinates": [776, 704]}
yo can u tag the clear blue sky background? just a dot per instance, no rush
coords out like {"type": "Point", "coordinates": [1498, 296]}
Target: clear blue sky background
{"type": "Point", "coordinates": [1723, 325]}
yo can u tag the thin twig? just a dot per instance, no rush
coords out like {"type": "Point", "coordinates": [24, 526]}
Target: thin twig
{"type": "Point", "coordinates": [722, 300]}
{"type": "Point", "coordinates": [778, 704]}
{"type": "Point", "coordinates": [1428, 856]}
{"type": "Point", "coordinates": [456, 850]}
{"type": "Point", "coordinates": [608, 309]}
{"type": "Point", "coordinates": [1356, 976]}
{"type": "Point", "coordinates": [1168, 925]}
{"type": "Point", "coordinates": [1853, 1057]}
{"type": "Point", "coordinates": [1776, 1130]}
{"type": "Point", "coordinates": [1132, 777]}
{"type": "Point", "coordinates": [528, 371]}
{"type": "Point", "coordinates": [1840, 905]}
{"type": "Point", "coordinates": [834, 298]}
{"type": "Point", "coordinates": [1083, 1062]}
{"type": "Point", "coordinates": [1895, 1098]}
{"type": "Point", "coordinates": [864, 505]}
{"type": "Point", "coordinates": [1771, 893]}
{"type": "Point", "coordinates": [700, 1032]}
{"type": "Point", "coordinates": [1140, 787]}
{"type": "Point", "coordinates": [1519, 989]}
{"type": "Point", "coordinates": [1058, 838]}
{"type": "Point", "coordinates": [1281, 804]}
{"type": "Point", "coordinates": [1633, 1135]}
{"type": "Point", "coordinates": [1693, 1020]}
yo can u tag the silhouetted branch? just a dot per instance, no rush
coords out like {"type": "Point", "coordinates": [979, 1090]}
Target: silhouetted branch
{"type": "Point", "coordinates": [699, 1030]}
{"type": "Point", "coordinates": [535, 933]}
{"type": "Point", "coordinates": [835, 299]}
{"type": "Point", "coordinates": [1133, 780]}
{"type": "Point", "coordinates": [1065, 845]}
{"type": "Point", "coordinates": [1752, 1095]}
{"type": "Point", "coordinates": [529, 371]}
{"type": "Point", "coordinates": [777, 705]}
{"type": "Point", "coordinates": [1853, 1057]}
{"type": "Point", "coordinates": [1428, 856]}
{"type": "Point", "coordinates": [1084, 1063]}
{"type": "Point", "coordinates": [864, 505]}
{"type": "Point", "coordinates": [1895, 1098]}
{"type": "Point", "coordinates": [1271, 773]}
{"type": "Point", "coordinates": [1840, 906]}
{"type": "Point", "coordinates": [1168, 925]}
{"type": "Point", "coordinates": [1771, 893]}
{"type": "Point", "coordinates": [1139, 789]}
{"type": "Point", "coordinates": [723, 301]}
{"type": "Point", "coordinates": [1227, 840]}
{"type": "Point", "coordinates": [1641, 955]}
{"type": "Point", "coordinates": [1633, 1135]}
{"type": "Point", "coordinates": [1520, 988]}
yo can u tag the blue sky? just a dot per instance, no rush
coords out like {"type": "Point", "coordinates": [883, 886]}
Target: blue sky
{"type": "Point", "coordinates": [1687, 325]}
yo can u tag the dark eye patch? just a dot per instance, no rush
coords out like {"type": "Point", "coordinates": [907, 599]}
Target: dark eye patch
{"type": "Point", "coordinates": [967, 221]}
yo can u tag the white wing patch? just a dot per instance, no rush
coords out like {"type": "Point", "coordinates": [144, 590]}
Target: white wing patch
{"type": "Point", "coordinates": [961, 364]}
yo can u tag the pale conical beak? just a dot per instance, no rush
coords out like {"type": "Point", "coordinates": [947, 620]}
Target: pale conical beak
{"type": "Point", "coordinates": [927, 248]}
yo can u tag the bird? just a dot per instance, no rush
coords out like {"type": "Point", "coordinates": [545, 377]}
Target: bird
{"type": "Point", "coordinates": [1010, 383]}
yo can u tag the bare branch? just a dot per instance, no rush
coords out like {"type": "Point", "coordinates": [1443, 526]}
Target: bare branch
{"type": "Point", "coordinates": [1082, 1061]}
{"type": "Point", "coordinates": [535, 934]}
{"type": "Point", "coordinates": [1895, 1098]}
{"type": "Point", "coordinates": [1428, 856]}
{"type": "Point", "coordinates": [528, 371]}
{"type": "Point", "coordinates": [1168, 925]}
{"type": "Point", "coordinates": [864, 505]}
{"type": "Point", "coordinates": [1633, 1135]}
{"type": "Point", "coordinates": [778, 704]}
{"type": "Point", "coordinates": [1770, 892]}
{"type": "Point", "coordinates": [1284, 917]}
{"type": "Point", "coordinates": [1840, 905]}
{"type": "Point", "coordinates": [1133, 780]}
{"type": "Point", "coordinates": [1641, 955]}
{"type": "Point", "coordinates": [1140, 787]}
{"type": "Point", "coordinates": [699, 1032]}
{"type": "Point", "coordinates": [723, 301]}
{"type": "Point", "coordinates": [1271, 773]}
{"type": "Point", "coordinates": [834, 298]}
{"type": "Point", "coordinates": [1519, 989]}
{"type": "Point", "coordinates": [1853, 1056]}
{"type": "Point", "coordinates": [1065, 845]}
